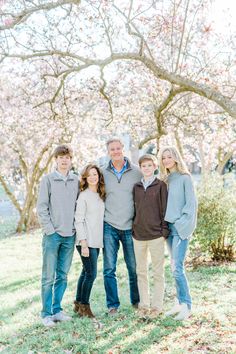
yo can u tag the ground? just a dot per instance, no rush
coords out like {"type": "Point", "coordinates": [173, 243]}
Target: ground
{"type": "Point", "coordinates": [211, 329]}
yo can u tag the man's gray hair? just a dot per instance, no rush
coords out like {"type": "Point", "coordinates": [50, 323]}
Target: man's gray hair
{"type": "Point", "coordinates": [113, 140]}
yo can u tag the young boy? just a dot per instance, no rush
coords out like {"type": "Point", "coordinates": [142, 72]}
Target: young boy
{"type": "Point", "coordinates": [149, 233]}
{"type": "Point", "coordinates": [56, 208]}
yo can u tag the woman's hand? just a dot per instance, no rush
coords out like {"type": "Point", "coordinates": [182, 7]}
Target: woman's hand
{"type": "Point", "coordinates": [84, 248]}
{"type": "Point", "coordinates": [85, 251]}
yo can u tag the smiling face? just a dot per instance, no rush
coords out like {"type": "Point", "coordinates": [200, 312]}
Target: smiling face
{"type": "Point", "coordinates": [115, 151]}
{"type": "Point", "coordinates": [63, 163]}
{"type": "Point", "coordinates": [148, 168]}
{"type": "Point", "coordinates": [93, 177]}
{"type": "Point", "coordinates": [168, 161]}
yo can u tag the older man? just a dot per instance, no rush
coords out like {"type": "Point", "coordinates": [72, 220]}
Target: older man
{"type": "Point", "coordinates": [120, 176]}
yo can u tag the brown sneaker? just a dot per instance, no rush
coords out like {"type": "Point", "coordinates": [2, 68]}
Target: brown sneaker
{"type": "Point", "coordinates": [143, 312]}
{"type": "Point", "coordinates": [112, 311]}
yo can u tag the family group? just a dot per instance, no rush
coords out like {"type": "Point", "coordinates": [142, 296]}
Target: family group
{"type": "Point", "coordinates": [122, 204]}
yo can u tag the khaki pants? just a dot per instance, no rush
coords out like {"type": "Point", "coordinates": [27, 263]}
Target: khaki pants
{"type": "Point", "coordinates": [157, 249]}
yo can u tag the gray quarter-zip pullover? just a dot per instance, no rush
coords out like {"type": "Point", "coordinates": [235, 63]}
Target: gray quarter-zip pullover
{"type": "Point", "coordinates": [119, 204]}
{"type": "Point", "coordinates": [56, 203]}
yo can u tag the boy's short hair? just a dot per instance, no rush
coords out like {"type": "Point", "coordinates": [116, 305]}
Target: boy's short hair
{"type": "Point", "coordinates": [113, 140]}
{"type": "Point", "coordinates": [62, 150]}
{"type": "Point", "coordinates": [147, 157]}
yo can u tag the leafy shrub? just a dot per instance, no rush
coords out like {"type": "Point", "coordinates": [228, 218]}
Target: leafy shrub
{"type": "Point", "coordinates": [216, 229]}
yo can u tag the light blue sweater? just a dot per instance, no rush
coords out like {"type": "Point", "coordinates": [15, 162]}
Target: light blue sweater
{"type": "Point", "coordinates": [182, 204]}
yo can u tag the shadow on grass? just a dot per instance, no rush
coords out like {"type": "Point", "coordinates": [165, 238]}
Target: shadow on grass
{"type": "Point", "coordinates": [19, 284]}
{"type": "Point", "coordinates": [134, 335]}
{"type": "Point", "coordinates": [79, 335]}
{"type": "Point", "coordinates": [216, 269]}
{"type": "Point", "coordinates": [22, 305]}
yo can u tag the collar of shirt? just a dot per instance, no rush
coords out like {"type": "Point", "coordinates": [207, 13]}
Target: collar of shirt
{"type": "Point", "coordinates": [119, 173]}
{"type": "Point", "coordinates": [62, 176]}
{"type": "Point", "coordinates": [148, 182]}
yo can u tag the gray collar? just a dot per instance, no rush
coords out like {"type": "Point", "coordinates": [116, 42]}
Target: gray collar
{"type": "Point", "coordinates": [148, 182]}
{"type": "Point", "coordinates": [64, 178]}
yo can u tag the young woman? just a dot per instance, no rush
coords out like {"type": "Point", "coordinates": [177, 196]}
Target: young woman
{"type": "Point", "coordinates": [89, 230]}
{"type": "Point", "coordinates": [181, 214]}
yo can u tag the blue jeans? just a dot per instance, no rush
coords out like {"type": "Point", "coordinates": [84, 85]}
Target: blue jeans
{"type": "Point", "coordinates": [87, 276]}
{"type": "Point", "coordinates": [57, 258]}
{"type": "Point", "coordinates": [178, 249]}
{"type": "Point", "coordinates": [112, 239]}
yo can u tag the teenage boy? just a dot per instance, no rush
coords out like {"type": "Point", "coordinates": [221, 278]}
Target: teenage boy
{"type": "Point", "coordinates": [56, 209]}
{"type": "Point", "coordinates": [120, 176]}
{"type": "Point", "coordinates": [149, 232]}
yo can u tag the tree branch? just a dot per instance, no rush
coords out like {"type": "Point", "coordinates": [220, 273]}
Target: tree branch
{"type": "Point", "coordinates": [17, 19]}
{"type": "Point", "coordinates": [184, 83]}
{"type": "Point", "coordinates": [102, 92]}
{"type": "Point", "coordinates": [10, 194]}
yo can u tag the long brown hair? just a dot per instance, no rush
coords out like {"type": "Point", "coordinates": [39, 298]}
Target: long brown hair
{"type": "Point", "coordinates": [101, 183]}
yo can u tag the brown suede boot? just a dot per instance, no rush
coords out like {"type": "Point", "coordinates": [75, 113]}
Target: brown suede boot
{"type": "Point", "coordinates": [81, 311]}
{"type": "Point", "coordinates": [77, 306]}
{"type": "Point", "coordinates": [85, 311]}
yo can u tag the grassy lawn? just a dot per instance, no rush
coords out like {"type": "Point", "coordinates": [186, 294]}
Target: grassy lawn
{"type": "Point", "coordinates": [211, 329]}
{"type": "Point", "coordinates": [7, 226]}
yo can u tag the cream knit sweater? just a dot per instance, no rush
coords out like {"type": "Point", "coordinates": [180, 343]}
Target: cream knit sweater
{"type": "Point", "coordinates": [89, 217]}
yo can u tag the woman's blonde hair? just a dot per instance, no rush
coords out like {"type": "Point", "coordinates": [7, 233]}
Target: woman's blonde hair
{"type": "Point", "coordinates": [180, 164]}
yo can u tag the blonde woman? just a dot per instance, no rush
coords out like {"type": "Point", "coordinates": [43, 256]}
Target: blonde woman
{"type": "Point", "coordinates": [181, 214]}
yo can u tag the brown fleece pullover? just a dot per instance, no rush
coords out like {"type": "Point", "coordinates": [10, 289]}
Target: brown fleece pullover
{"type": "Point", "coordinates": [150, 208]}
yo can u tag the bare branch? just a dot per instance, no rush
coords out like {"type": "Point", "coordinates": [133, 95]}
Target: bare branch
{"type": "Point", "coordinates": [182, 37]}
{"type": "Point", "coordinates": [187, 41]}
{"type": "Point", "coordinates": [102, 91]}
{"type": "Point", "coordinates": [159, 115]}
{"type": "Point", "coordinates": [182, 82]}
{"type": "Point", "coordinates": [147, 139]}
{"type": "Point", "coordinates": [135, 32]}
{"type": "Point", "coordinates": [143, 11]}
{"type": "Point", "coordinates": [17, 19]}
{"type": "Point", "coordinates": [47, 53]}
{"type": "Point", "coordinates": [106, 31]}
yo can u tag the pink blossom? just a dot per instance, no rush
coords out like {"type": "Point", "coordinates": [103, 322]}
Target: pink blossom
{"type": "Point", "coordinates": [8, 21]}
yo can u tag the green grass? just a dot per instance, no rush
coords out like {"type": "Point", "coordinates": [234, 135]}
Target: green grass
{"type": "Point", "coordinates": [7, 226]}
{"type": "Point", "coordinates": [211, 329]}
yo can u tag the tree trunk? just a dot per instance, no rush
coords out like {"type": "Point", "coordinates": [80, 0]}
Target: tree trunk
{"type": "Point", "coordinates": [178, 143]}
{"type": "Point", "coordinates": [222, 162]}
{"type": "Point", "coordinates": [28, 218]}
